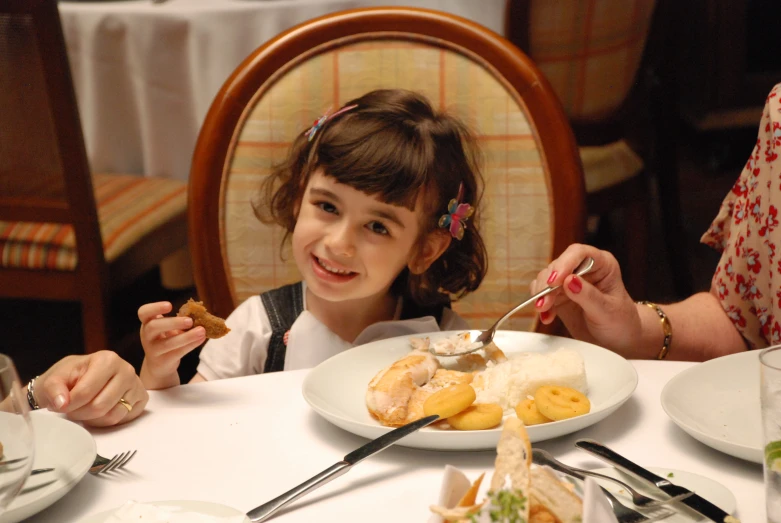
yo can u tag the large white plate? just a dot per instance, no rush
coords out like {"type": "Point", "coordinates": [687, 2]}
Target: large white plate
{"type": "Point", "coordinates": [61, 445]}
{"type": "Point", "coordinates": [709, 489]}
{"type": "Point", "coordinates": [336, 389]}
{"type": "Point", "coordinates": [204, 508]}
{"type": "Point", "coordinates": [717, 402]}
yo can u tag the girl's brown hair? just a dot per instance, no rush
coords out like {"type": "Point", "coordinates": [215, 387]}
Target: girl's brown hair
{"type": "Point", "coordinates": [393, 145]}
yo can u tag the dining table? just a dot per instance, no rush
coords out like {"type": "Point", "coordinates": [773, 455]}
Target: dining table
{"type": "Point", "coordinates": [145, 72]}
{"type": "Point", "coordinates": [243, 441]}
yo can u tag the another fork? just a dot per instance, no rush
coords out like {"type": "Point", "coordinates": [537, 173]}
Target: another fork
{"type": "Point", "coordinates": [623, 513]}
{"type": "Point", "coordinates": [543, 457]}
{"type": "Point", "coordinates": [103, 465]}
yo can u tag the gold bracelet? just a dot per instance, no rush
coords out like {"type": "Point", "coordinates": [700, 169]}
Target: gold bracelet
{"type": "Point", "coordinates": [666, 327]}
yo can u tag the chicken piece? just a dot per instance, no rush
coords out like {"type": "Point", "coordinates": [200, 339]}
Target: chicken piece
{"type": "Point", "coordinates": [390, 391]}
{"type": "Point", "coordinates": [215, 326]}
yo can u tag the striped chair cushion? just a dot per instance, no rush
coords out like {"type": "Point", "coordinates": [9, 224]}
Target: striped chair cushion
{"type": "Point", "coordinates": [128, 207]}
{"type": "Point", "coordinates": [516, 215]}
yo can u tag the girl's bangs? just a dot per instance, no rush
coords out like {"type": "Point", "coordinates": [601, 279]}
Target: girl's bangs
{"type": "Point", "coordinates": [378, 164]}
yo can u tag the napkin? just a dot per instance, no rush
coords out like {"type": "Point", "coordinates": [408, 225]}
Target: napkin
{"type": "Point", "coordinates": [455, 483]}
{"type": "Point", "coordinates": [136, 512]}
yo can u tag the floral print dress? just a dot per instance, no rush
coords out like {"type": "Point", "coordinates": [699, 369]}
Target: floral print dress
{"type": "Point", "coordinates": [747, 280]}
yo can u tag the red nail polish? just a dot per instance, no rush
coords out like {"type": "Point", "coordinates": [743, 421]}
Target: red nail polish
{"type": "Point", "coordinates": [575, 285]}
{"type": "Point", "coordinates": [539, 302]}
{"type": "Point", "coordinates": [552, 276]}
{"type": "Point", "coordinates": [544, 315]}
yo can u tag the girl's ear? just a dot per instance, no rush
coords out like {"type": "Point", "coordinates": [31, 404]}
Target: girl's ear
{"type": "Point", "coordinates": [435, 244]}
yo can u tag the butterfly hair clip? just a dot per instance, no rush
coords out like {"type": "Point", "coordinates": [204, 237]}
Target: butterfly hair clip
{"type": "Point", "coordinates": [320, 122]}
{"type": "Point", "coordinates": [457, 215]}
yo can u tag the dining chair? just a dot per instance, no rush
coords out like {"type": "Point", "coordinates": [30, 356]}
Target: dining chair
{"type": "Point", "coordinates": [593, 53]}
{"type": "Point", "coordinates": [534, 196]}
{"type": "Point", "coordinates": [65, 233]}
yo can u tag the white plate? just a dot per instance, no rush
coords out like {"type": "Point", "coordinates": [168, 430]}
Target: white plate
{"type": "Point", "coordinates": [711, 490]}
{"type": "Point", "coordinates": [204, 508]}
{"type": "Point", "coordinates": [59, 444]}
{"type": "Point", "coordinates": [717, 402]}
{"type": "Point", "coordinates": [336, 389]}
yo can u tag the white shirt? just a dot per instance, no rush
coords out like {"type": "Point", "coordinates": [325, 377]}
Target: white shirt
{"type": "Point", "coordinates": [243, 350]}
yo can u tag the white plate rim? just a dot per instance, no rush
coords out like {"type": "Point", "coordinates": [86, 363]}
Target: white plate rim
{"type": "Point", "coordinates": [49, 495]}
{"type": "Point", "coordinates": [536, 433]}
{"type": "Point", "coordinates": [186, 504]}
{"type": "Point", "coordinates": [725, 445]}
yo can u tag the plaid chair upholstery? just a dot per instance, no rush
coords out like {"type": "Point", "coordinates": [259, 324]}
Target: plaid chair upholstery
{"type": "Point", "coordinates": [590, 51]}
{"type": "Point", "coordinates": [516, 218]}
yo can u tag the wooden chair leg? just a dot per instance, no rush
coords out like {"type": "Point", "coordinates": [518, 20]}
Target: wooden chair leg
{"type": "Point", "coordinates": [95, 322]}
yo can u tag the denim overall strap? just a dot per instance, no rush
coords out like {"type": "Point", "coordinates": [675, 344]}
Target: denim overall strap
{"type": "Point", "coordinates": [283, 306]}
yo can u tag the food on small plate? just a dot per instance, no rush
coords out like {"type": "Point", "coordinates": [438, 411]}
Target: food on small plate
{"type": "Point", "coordinates": [475, 391]}
{"type": "Point", "coordinates": [518, 491]}
{"type": "Point", "coordinates": [214, 325]}
{"type": "Point", "coordinates": [135, 512]}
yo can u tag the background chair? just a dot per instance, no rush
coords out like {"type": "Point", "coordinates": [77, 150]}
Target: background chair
{"type": "Point", "coordinates": [533, 204]}
{"type": "Point", "coordinates": [64, 234]}
{"type": "Point", "coordinates": [592, 52]}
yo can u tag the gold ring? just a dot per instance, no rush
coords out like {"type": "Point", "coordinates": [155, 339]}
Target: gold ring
{"type": "Point", "coordinates": [124, 403]}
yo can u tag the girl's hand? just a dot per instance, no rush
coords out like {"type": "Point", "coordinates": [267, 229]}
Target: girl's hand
{"type": "Point", "coordinates": [166, 340]}
{"type": "Point", "coordinates": [595, 308]}
{"type": "Point", "coordinates": [89, 387]}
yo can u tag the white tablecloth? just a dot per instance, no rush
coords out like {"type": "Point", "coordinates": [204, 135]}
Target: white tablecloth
{"type": "Point", "coordinates": [241, 442]}
{"type": "Point", "coordinates": [145, 74]}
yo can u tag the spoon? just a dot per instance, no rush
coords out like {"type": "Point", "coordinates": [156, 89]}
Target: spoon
{"type": "Point", "coordinates": [487, 336]}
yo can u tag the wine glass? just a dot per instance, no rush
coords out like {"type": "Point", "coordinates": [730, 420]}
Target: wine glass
{"type": "Point", "coordinates": [16, 434]}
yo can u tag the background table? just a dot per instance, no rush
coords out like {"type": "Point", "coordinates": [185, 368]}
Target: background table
{"type": "Point", "coordinates": [145, 74]}
{"type": "Point", "coordinates": [243, 441]}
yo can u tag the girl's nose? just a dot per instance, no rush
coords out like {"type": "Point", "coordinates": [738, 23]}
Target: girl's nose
{"type": "Point", "coordinates": [340, 240]}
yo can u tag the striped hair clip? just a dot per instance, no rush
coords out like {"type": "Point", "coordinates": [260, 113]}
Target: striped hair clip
{"type": "Point", "coordinates": [320, 122]}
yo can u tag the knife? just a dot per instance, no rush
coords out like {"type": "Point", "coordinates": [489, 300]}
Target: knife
{"type": "Point", "coordinates": [694, 501]}
{"type": "Point", "coordinates": [266, 510]}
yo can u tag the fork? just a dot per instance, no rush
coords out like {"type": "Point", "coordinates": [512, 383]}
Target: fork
{"type": "Point", "coordinates": [103, 465]}
{"type": "Point", "coordinates": [623, 513]}
{"type": "Point", "coordinates": [543, 457]}
{"type": "Point", "coordinates": [487, 336]}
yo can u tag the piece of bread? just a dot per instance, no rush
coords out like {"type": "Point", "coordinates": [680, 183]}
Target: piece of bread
{"type": "Point", "coordinates": [215, 326]}
{"type": "Point", "coordinates": [549, 491]}
{"type": "Point", "coordinates": [513, 459]}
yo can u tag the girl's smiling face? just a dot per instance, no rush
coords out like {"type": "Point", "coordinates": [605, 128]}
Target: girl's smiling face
{"type": "Point", "coordinates": [349, 245]}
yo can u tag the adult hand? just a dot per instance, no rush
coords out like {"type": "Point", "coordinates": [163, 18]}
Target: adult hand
{"type": "Point", "coordinates": [596, 307]}
{"type": "Point", "coordinates": [89, 388]}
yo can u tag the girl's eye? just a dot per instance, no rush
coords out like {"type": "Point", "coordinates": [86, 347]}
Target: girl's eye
{"type": "Point", "coordinates": [378, 228]}
{"type": "Point", "coordinates": [327, 207]}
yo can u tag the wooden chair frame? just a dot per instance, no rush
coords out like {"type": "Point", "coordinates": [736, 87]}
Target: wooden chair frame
{"type": "Point", "coordinates": [92, 279]}
{"type": "Point", "coordinates": [212, 149]}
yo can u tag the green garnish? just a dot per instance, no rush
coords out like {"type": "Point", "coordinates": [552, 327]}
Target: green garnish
{"type": "Point", "coordinates": [670, 475]}
{"type": "Point", "coordinates": [505, 506]}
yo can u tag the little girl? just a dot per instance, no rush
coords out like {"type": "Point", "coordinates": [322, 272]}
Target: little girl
{"type": "Point", "coordinates": [377, 199]}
